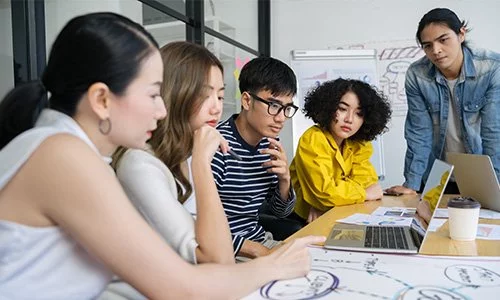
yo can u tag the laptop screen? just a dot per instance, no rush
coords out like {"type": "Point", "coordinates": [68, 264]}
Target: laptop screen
{"type": "Point", "coordinates": [476, 178]}
{"type": "Point", "coordinates": [433, 190]}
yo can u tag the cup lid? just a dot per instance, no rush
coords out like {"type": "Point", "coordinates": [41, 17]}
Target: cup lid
{"type": "Point", "coordinates": [463, 202]}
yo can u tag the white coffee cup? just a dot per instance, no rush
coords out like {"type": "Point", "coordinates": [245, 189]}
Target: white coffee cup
{"type": "Point", "coordinates": [463, 215]}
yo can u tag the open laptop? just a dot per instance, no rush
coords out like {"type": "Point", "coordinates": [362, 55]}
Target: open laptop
{"type": "Point", "coordinates": [391, 239]}
{"type": "Point", "coordinates": [476, 178]}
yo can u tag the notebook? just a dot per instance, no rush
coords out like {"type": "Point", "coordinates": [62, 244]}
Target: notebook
{"type": "Point", "coordinates": [391, 239]}
{"type": "Point", "coordinates": [476, 178]}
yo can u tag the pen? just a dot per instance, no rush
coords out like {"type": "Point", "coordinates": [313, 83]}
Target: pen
{"type": "Point", "coordinates": [234, 155]}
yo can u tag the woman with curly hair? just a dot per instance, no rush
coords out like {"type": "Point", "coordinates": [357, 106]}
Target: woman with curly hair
{"type": "Point", "coordinates": [332, 162]}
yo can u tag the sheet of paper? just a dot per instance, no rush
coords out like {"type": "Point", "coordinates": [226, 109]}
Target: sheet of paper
{"type": "Point", "coordinates": [488, 232]}
{"type": "Point", "coordinates": [441, 213]}
{"type": "Point", "coordinates": [484, 231]}
{"type": "Point", "coordinates": [404, 212]}
{"type": "Point", "coordinates": [364, 219]}
{"type": "Point", "coordinates": [435, 224]}
{"type": "Point", "coordinates": [357, 275]}
{"type": "Point", "coordinates": [483, 213]}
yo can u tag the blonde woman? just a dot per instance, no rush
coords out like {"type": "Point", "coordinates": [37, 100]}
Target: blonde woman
{"type": "Point", "coordinates": [176, 165]}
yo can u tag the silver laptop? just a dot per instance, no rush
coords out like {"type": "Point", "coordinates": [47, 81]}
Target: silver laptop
{"type": "Point", "coordinates": [476, 178]}
{"type": "Point", "coordinates": [391, 239]}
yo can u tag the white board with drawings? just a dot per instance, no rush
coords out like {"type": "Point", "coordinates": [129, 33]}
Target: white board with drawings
{"type": "Point", "coordinates": [356, 275]}
{"type": "Point", "coordinates": [313, 67]}
{"type": "Point", "coordinates": [393, 60]}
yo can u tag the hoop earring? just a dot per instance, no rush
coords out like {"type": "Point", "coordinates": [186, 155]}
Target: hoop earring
{"type": "Point", "coordinates": [105, 126]}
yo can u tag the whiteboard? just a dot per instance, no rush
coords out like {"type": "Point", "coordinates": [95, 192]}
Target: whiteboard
{"type": "Point", "coordinates": [313, 67]}
{"type": "Point", "coordinates": [394, 57]}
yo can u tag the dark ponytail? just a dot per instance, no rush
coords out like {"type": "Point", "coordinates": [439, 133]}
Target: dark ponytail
{"type": "Point", "coordinates": [20, 109]}
{"type": "Point", "coordinates": [97, 47]}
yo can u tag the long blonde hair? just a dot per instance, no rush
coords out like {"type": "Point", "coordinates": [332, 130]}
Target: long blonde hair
{"type": "Point", "coordinates": [186, 71]}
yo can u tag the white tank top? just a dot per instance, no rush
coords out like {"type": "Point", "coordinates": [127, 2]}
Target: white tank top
{"type": "Point", "coordinates": [190, 203]}
{"type": "Point", "coordinates": [44, 262]}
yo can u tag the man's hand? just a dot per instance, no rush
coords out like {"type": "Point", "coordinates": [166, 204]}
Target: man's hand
{"type": "Point", "coordinates": [279, 162]}
{"type": "Point", "coordinates": [253, 249]}
{"type": "Point", "coordinates": [278, 165]}
{"type": "Point", "coordinates": [399, 189]}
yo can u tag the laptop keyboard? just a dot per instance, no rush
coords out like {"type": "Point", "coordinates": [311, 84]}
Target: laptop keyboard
{"type": "Point", "coordinates": [385, 237]}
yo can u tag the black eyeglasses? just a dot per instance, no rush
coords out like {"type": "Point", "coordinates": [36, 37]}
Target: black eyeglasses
{"type": "Point", "coordinates": [274, 108]}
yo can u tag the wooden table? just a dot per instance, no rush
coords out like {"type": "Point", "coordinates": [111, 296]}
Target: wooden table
{"type": "Point", "coordinates": [435, 243]}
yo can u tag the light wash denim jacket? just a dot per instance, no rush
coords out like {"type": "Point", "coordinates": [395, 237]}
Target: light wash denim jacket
{"type": "Point", "coordinates": [477, 94]}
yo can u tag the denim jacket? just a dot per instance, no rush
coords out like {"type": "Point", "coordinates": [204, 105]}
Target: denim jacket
{"type": "Point", "coordinates": [477, 94]}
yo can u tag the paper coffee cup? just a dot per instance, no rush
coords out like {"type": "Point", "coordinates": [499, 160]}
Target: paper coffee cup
{"type": "Point", "coordinates": [463, 215]}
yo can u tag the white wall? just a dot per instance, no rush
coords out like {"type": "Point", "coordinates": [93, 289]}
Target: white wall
{"type": "Point", "coordinates": [321, 24]}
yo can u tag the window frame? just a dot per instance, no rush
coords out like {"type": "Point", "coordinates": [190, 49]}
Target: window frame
{"type": "Point", "coordinates": [28, 32]}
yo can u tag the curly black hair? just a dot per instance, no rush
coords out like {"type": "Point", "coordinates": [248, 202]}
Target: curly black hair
{"type": "Point", "coordinates": [322, 102]}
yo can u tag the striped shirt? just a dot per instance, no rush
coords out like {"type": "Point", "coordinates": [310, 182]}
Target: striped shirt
{"type": "Point", "coordinates": [244, 185]}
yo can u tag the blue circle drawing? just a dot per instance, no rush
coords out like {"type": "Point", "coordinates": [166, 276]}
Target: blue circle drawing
{"type": "Point", "coordinates": [318, 283]}
{"type": "Point", "coordinates": [429, 292]}
{"type": "Point", "coordinates": [470, 275]}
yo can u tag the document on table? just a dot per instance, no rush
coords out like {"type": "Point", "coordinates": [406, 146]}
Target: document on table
{"type": "Point", "coordinates": [484, 231]}
{"type": "Point", "coordinates": [435, 224]}
{"type": "Point", "coordinates": [483, 213]}
{"type": "Point", "coordinates": [364, 219]}
{"type": "Point", "coordinates": [404, 212]}
{"type": "Point", "coordinates": [358, 275]}
{"type": "Point", "coordinates": [488, 232]}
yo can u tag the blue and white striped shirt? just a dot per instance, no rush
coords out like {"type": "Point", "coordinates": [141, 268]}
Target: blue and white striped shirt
{"type": "Point", "coordinates": [244, 185]}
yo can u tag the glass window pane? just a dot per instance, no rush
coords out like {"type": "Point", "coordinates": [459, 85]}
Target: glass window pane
{"type": "Point", "coordinates": [59, 12]}
{"type": "Point", "coordinates": [233, 59]}
{"type": "Point", "coordinates": [164, 28]}
{"type": "Point", "coordinates": [236, 19]}
{"type": "Point", "coordinates": [6, 53]}
{"type": "Point", "coordinates": [167, 32]}
{"type": "Point", "coordinates": [153, 16]}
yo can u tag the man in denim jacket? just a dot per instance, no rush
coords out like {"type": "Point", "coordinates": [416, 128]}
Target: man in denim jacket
{"type": "Point", "coordinates": [453, 96]}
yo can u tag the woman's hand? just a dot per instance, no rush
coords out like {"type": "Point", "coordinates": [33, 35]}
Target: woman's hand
{"type": "Point", "coordinates": [292, 259]}
{"type": "Point", "coordinates": [374, 192]}
{"type": "Point", "coordinates": [424, 211]}
{"type": "Point", "coordinates": [206, 141]}
{"type": "Point", "coordinates": [313, 214]}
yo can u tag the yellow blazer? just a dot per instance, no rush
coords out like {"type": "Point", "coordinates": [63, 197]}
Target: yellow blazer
{"type": "Point", "coordinates": [323, 176]}
{"type": "Point", "coordinates": [432, 196]}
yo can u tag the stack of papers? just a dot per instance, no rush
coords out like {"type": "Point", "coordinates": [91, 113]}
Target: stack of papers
{"type": "Point", "coordinates": [364, 219]}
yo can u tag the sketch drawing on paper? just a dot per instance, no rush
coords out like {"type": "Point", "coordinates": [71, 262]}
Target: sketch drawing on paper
{"type": "Point", "coordinates": [316, 284]}
{"type": "Point", "coordinates": [356, 275]}
{"type": "Point", "coordinates": [393, 63]}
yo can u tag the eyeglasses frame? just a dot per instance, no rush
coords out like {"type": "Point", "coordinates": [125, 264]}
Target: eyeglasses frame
{"type": "Point", "coordinates": [270, 102]}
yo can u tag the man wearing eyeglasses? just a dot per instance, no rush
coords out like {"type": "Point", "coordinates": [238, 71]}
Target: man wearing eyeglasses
{"type": "Point", "coordinates": [267, 87]}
